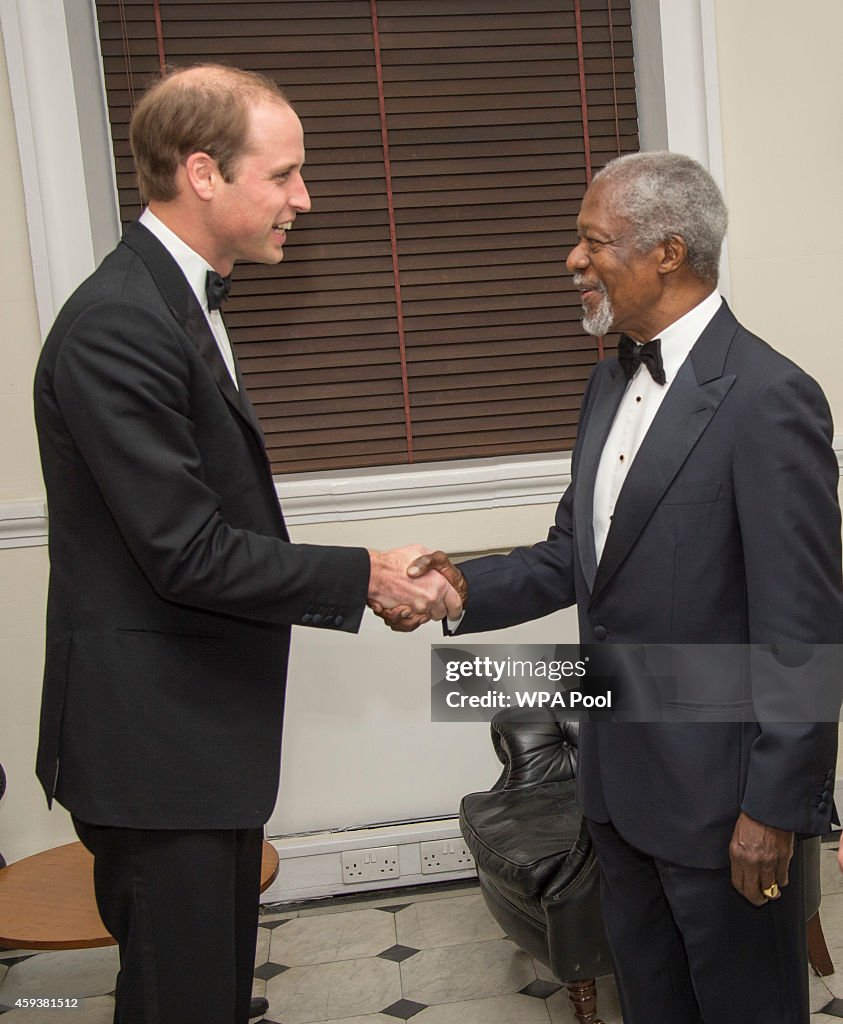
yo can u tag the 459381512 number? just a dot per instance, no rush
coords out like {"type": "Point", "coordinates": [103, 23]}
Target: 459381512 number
{"type": "Point", "coordinates": [49, 1003]}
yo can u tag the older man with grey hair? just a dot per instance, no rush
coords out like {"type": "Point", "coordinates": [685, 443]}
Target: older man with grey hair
{"type": "Point", "coordinates": [702, 511]}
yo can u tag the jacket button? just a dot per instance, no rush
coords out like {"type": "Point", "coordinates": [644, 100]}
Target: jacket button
{"type": "Point", "coordinates": [600, 632]}
{"type": "Point", "coordinates": [822, 806]}
{"type": "Point", "coordinates": [338, 621]}
{"type": "Point", "coordinates": [317, 618]}
{"type": "Point", "coordinates": [306, 617]}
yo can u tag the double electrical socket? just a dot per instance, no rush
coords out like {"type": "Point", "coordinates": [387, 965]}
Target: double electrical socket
{"type": "Point", "coordinates": [370, 865]}
{"type": "Point", "coordinates": [444, 855]}
{"type": "Point", "coordinates": [437, 857]}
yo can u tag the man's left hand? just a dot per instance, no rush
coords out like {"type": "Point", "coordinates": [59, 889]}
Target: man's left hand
{"type": "Point", "coordinates": [760, 856]}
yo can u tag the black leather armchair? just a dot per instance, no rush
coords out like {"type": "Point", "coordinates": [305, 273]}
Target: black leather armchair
{"type": "Point", "coordinates": [535, 862]}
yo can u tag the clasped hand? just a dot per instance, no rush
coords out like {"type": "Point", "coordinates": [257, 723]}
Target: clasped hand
{"type": "Point", "coordinates": [404, 589]}
{"type": "Point", "coordinates": [416, 586]}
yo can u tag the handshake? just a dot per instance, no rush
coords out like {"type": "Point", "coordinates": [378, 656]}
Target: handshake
{"type": "Point", "coordinates": [412, 585]}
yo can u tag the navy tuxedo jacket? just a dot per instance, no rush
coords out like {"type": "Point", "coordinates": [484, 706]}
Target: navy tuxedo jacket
{"type": "Point", "coordinates": [173, 583]}
{"type": "Point", "coordinates": [726, 532]}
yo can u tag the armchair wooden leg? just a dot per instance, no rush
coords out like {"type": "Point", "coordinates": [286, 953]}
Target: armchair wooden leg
{"type": "Point", "coordinates": [818, 955]}
{"type": "Point", "coordinates": [583, 997]}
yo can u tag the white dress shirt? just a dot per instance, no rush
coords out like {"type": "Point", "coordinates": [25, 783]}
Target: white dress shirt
{"type": "Point", "coordinates": [638, 408]}
{"type": "Point", "coordinates": [194, 267]}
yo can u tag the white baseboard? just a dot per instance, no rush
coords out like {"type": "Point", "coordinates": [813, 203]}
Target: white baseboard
{"type": "Point", "coordinates": [311, 868]}
{"type": "Point", "coordinates": [23, 524]}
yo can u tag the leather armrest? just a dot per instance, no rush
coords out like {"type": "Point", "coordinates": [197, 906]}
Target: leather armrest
{"type": "Point", "coordinates": [535, 746]}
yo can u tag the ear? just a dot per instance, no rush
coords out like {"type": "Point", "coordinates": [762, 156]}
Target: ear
{"type": "Point", "coordinates": [202, 174]}
{"type": "Point", "coordinates": [674, 254]}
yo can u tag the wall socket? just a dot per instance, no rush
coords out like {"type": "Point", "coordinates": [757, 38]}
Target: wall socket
{"type": "Point", "coordinates": [370, 865]}
{"type": "Point", "coordinates": [444, 855]}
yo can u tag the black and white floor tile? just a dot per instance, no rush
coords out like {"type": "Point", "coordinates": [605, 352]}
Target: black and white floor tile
{"type": "Point", "coordinates": [428, 956]}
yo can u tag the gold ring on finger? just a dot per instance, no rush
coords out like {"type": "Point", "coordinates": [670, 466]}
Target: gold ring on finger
{"type": "Point", "coordinates": [771, 893]}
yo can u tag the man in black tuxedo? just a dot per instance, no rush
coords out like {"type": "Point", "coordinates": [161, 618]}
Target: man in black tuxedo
{"type": "Point", "coordinates": [702, 510]}
{"type": "Point", "coordinates": [173, 582]}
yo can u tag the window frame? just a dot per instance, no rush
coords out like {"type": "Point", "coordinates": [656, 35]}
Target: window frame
{"type": "Point", "coordinates": [54, 67]}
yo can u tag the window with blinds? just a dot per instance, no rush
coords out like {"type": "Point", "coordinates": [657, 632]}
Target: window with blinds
{"type": "Point", "coordinates": [423, 310]}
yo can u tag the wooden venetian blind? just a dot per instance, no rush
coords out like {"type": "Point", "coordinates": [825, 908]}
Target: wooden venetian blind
{"type": "Point", "coordinates": [423, 310]}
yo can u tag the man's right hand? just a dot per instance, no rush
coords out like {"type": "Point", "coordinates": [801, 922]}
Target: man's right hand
{"type": "Point", "coordinates": [404, 619]}
{"type": "Point", "coordinates": [400, 584]}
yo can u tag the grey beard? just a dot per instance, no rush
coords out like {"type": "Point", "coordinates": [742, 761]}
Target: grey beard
{"type": "Point", "coordinates": [600, 321]}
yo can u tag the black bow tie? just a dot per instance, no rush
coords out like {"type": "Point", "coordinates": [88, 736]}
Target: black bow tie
{"type": "Point", "coordinates": [631, 355]}
{"type": "Point", "coordinates": [217, 288]}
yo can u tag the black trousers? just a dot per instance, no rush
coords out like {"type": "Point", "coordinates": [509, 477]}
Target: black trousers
{"type": "Point", "coordinates": [689, 949]}
{"type": "Point", "coordinates": [183, 906]}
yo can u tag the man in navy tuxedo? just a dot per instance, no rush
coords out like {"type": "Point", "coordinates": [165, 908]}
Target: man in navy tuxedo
{"type": "Point", "coordinates": [173, 582]}
{"type": "Point", "coordinates": [702, 510]}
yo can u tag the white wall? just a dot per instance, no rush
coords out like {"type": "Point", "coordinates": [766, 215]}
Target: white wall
{"type": "Point", "coordinates": [359, 746]}
{"type": "Point", "coordinates": [781, 105]}
{"type": "Point", "coordinates": [781, 102]}
{"type": "Point", "coordinates": [25, 824]}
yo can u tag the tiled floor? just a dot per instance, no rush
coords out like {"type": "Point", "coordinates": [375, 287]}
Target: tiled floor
{"type": "Point", "coordinates": [430, 957]}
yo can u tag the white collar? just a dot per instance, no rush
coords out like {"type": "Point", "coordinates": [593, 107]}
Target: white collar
{"type": "Point", "coordinates": [679, 338]}
{"type": "Point", "coordinates": [192, 265]}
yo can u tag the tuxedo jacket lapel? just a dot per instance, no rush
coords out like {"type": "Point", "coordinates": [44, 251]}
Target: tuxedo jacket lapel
{"type": "Point", "coordinates": [203, 338]}
{"type": "Point", "coordinates": [246, 403]}
{"type": "Point", "coordinates": [606, 401]}
{"type": "Point", "coordinates": [184, 306]}
{"type": "Point", "coordinates": [694, 397]}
